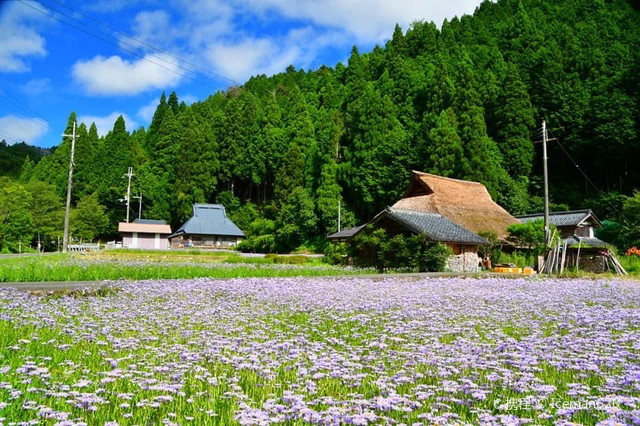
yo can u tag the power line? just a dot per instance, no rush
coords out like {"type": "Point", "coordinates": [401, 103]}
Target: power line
{"type": "Point", "coordinates": [9, 136]}
{"type": "Point", "coordinates": [31, 115]}
{"type": "Point", "coordinates": [143, 57]}
{"type": "Point", "coordinates": [144, 43]}
{"type": "Point", "coordinates": [600, 192]}
{"type": "Point", "coordinates": [132, 49]}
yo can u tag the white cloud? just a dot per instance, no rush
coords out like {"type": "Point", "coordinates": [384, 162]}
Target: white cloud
{"type": "Point", "coordinates": [146, 112]}
{"type": "Point", "coordinates": [241, 60]}
{"type": "Point", "coordinates": [368, 20]}
{"type": "Point", "coordinates": [237, 40]}
{"type": "Point", "coordinates": [19, 129]}
{"type": "Point", "coordinates": [37, 86]}
{"type": "Point", "coordinates": [104, 124]}
{"type": "Point", "coordinates": [19, 38]}
{"type": "Point", "coordinates": [116, 76]}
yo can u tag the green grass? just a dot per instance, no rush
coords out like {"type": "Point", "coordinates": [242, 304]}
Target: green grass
{"type": "Point", "coordinates": [631, 264]}
{"type": "Point", "coordinates": [142, 265]}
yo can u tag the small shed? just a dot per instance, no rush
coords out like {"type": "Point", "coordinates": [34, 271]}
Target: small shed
{"type": "Point", "coordinates": [576, 227]}
{"type": "Point", "coordinates": [145, 234]}
{"type": "Point", "coordinates": [209, 227]}
{"type": "Point", "coordinates": [345, 235]}
{"type": "Point", "coordinates": [571, 224]}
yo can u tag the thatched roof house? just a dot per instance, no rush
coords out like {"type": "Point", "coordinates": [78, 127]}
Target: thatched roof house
{"type": "Point", "coordinates": [464, 203]}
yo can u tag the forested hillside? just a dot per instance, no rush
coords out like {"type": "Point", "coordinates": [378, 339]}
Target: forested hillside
{"type": "Point", "coordinates": [17, 157]}
{"type": "Point", "coordinates": [464, 101]}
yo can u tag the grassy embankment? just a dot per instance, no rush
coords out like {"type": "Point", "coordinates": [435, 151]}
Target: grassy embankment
{"type": "Point", "coordinates": [140, 265]}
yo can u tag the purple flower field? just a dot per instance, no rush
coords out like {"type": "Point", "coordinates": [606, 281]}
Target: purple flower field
{"type": "Point", "coordinates": [324, 351]}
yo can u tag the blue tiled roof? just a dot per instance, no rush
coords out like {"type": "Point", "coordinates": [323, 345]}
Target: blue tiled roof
{"type": "Point", "coordinates": [434, 226]}
{"type": "Point", "coordinates": [209, 219]}
{"type": "Point", "coordinates": [569, 218]}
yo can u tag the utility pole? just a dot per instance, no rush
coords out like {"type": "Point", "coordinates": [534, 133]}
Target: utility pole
{"type": "Point", "coordinates": [139, 197]}
{"type": "Point", "coordinates": [129, 175]}
{"type": "Point", "coordinates": [65, 238]}
{"type": "Point", "coordinates": [546, 183]}
{"type": "Point", "coordinates": [339, 211]}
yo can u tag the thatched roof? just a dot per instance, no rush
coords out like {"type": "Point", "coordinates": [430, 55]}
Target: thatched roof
{"type": "Point", "coordinates": [464, 203]}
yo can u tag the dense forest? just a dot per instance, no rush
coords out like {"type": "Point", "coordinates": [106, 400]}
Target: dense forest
{"type": "Point", "coordinates": [465, 100]}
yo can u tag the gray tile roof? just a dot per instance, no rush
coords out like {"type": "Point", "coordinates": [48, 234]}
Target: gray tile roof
{"type": "Point", "coordinates": [434, 226]}
{"type": "Point", "coordinates": [209, 219]}
{"type": "Point", "coordinates": [345, 234]}
{"type": "Point", "coordinates": [150, 221]}
{"type": "Point", "coordinates": [570, 218]}
{"type": "Point", "coordinates": [586, 241]}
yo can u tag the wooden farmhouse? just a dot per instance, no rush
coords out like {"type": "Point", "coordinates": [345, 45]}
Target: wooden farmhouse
{"type": "Point", "coordinates": [464, 203]}
{"type": "Point", "coordinates": [576, 228]}
{"type": "Point", "coordinates": [446, 210]}
{"type": "Point", "coordinates": [145, 234]}
{"type": "Point", "coordinates": [209, 227]}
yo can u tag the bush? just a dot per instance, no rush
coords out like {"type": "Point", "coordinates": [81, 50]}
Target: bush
{"type": "Point", "coordinates": [631, 264]}
{"type": "Point", "coordinates": [287, 260]}
{"type": "Point", "coordinates": [517, 258]}
{"type": "Point", "coordinates": [336, 254]}
{"type": "Point", "coordinates": [258, 244]}
{"type": "Point", "coordinates": [431, 257]}
{"type": "Point", "coordinates": [375, 248]}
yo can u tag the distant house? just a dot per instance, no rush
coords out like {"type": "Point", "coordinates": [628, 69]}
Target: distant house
{"type": "Point", "coordinates": [576, 230]}
{"type": "Point", "coordinates": [208, 227]}
{"type": "Point", "coordinates": [145, 234]}
{"type": "Point", "coordinates": [446, 210]}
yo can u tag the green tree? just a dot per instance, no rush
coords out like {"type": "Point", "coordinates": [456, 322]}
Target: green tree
{"type": "Point", "coordinates": [88, 220]}
{"type": "Point", "coordinates": [446, 156]}
{"type": "Point", "coordinates": [296, 222]}
{"type": "Point", "coordinates": [515, 121]}
{"type": "Point", "coordinates": [15, 216]}
{"type": "Point", "coordinates": [291, 173]}
{"type": "Point", "coordinates": [631, 221]}
{"type": "Point", "coordinates": [47, 214]}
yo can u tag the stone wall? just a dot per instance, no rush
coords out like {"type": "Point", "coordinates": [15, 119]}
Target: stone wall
{"type": "Point", "coordinates": [464, 262]}
{"type": "Point", "coordinates": [592, 263]}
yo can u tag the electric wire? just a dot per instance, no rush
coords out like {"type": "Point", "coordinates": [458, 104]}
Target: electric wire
{"type": "Point", "coordinates": [142, 42]}
{"type": "Point", "coordinates": [587, 178]}
{"type": "Point", "coordinates": [132, 52]}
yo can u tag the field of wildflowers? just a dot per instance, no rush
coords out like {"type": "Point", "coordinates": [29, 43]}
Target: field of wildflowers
{"type": "Point", "coordinates": [324, 351]}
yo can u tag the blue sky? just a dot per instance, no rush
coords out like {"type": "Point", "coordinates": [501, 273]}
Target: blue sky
{"type": "Point", "coordinates": [107, 58]}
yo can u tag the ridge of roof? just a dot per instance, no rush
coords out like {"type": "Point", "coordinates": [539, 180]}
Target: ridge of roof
{"type": "Point", "coordinates": [435, 226]}
{"type": "Point", "coordinates": [565, 212]}
{"type": "Point", "coordinates": [430, 175]}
